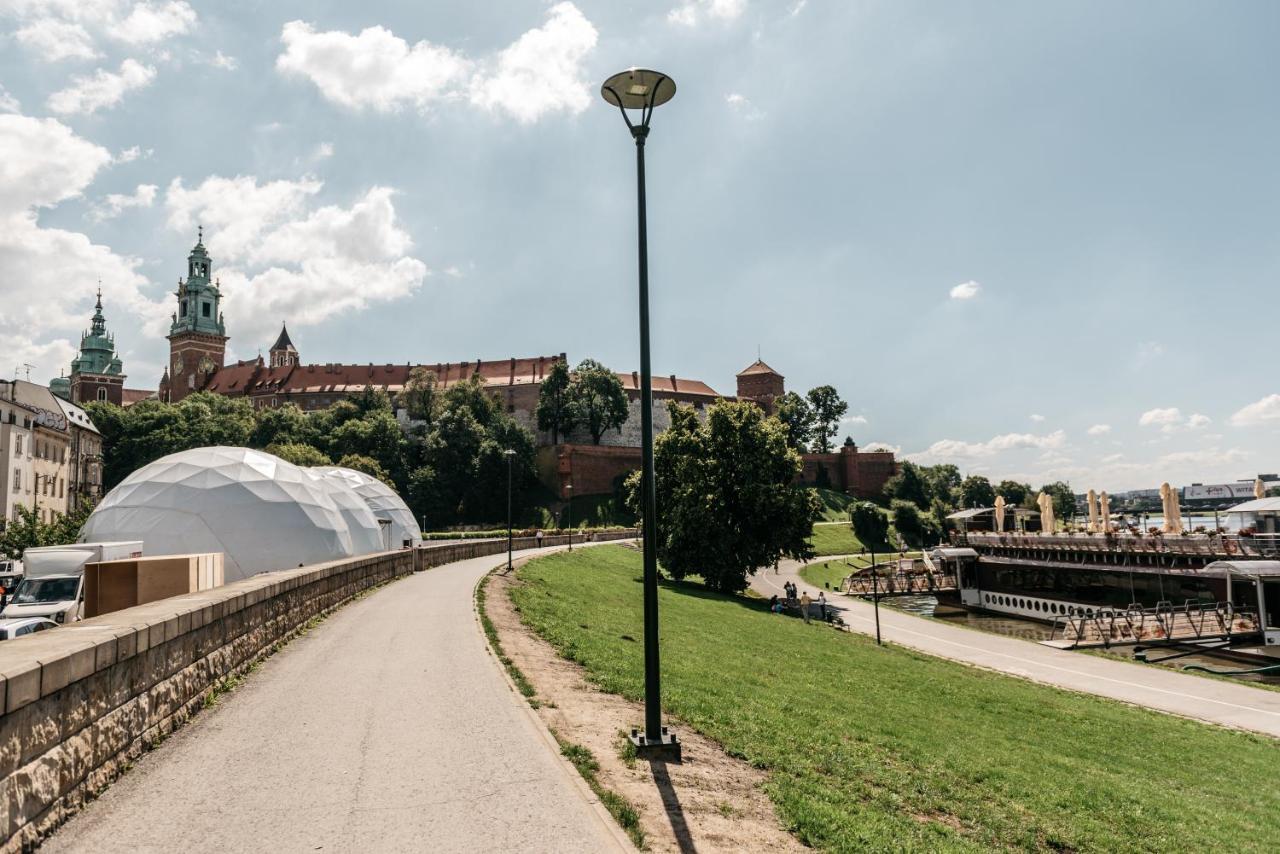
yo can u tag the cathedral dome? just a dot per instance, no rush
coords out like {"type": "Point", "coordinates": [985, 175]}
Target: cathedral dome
{"type": "Point", "coordinates": [381, 499]}
{"type": "Point", "coordinates": [261, 512]}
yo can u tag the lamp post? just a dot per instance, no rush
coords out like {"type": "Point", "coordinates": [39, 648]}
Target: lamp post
{"type": "Point", "coordinates": [640, 89]}
{"type": "Point", "coordinates": [508, 453]}
{"type": "Point", "coordinates": [568, 509]}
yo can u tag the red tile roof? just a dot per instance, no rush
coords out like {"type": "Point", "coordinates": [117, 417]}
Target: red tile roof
{"type": "Point", "coordinates": [130, 396]}
{"type": "Point", "coordinates": [757, 367]}
{"type": "Point", "coordinates": [668, 385]}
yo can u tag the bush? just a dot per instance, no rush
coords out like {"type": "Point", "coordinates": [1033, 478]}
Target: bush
{"type": "Point", "coordinates": [915, 528]}
{"type": "Point", "coordinates": [870, 524]}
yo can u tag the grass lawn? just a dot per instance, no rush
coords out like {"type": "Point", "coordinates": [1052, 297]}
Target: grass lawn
{"type": "Point", "coordinates": [834, 539]}
{"type": "Point", "coordinates": [822, 573]}
{"type": "Point", "coordinates": [835, 505]}
{"type": "Point", "coordinates": [886, 749]}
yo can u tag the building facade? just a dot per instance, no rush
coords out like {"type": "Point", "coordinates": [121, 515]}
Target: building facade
{"type": "Point", "coordinates": [40, 470]}
{"type": "Point", "coordinates": [16, 459]}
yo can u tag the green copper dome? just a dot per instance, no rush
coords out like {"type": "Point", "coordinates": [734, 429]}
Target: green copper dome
{"type": "Point", "coordinates": [199, 298]}
{"type": "Point", "coordinates": [97, 348]}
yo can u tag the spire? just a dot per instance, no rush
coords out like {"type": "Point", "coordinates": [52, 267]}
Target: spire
{"type": "Point", "coordinates": [99, 322]}
{"type": "Point", "coordinates": [199, 235]}
{"type": "Point", "coordinates": [283, 342]}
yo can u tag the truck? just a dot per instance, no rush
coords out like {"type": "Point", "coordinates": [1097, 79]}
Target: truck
{"type": "Point", "coordinates": [10, 573]}
{"type": "Point", "coordinates": [53, 581]}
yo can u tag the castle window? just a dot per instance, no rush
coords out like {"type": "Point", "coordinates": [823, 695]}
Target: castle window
{"type": "Point", "coordinates": [204, 309]}
{"type": "Point", "coordinates": [182, 309]}
{"type": "Point", "coordinates": [102, 394]}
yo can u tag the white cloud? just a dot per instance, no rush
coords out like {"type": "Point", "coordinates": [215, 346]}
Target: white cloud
{"type": "Point", "coordinates": [8, 103]}
{"type": "Point", "coordinates": [52, 40]}
{"type": "Point", "coordinates": [323, 151]}
{"type": "Point", "coordinates": [854, 419]}
{"type": "Point", "coordinates": [288, 260]}
{"type": "Point", "coordinates": [50, 273]}
{"type": "Point", "coordinates": [1099, 429]}
{"type": "Point", "coordinates": [1113, 458]}
{"type": "Point", "coordinates": [948, 450]}
{"type": "Point", "coordinates": [742, 105]}
{"type": "Point", "coordinates": [1036, 417]}
{"type": "Point", "coordinates": [1264, 411]}
{"type": "Point", "coordinates": [132, 153]}
{"type": "Point", "coordinates": [539, 73]}
{"type": "Point", "coordinates": [882, 446]}
{"type": "Point", "coordinates": [965, 290]}
{"type": "Point", "coordinates": [1204, 457]}
{"type": "Point", "coordinates": [148, 23]}
{"type": "Point", "coordinates": [104, 89]}
{"type": "Point", "coordinates": [116, 203]}
{"type": "Point", "coordinates": [690, 13]}
{"type": "Point", "coordinates": [226, 63]}
{"type": "Point", "coordinates": [1171, 420]}
{"type": "Point", "coordinates": [797, 7]}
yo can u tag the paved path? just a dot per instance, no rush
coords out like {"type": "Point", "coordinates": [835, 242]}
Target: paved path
{"type": "Point", "coordinates": [388, 727]}
{"type": "Point", "coordinates": [1213, 700]}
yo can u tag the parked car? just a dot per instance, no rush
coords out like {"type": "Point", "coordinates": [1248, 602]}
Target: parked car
{"type": "Point", "coordinates": [10, 629]}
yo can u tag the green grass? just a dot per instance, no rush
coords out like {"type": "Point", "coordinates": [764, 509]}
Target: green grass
{"type": "Point", "coordinates": [835, 505]}
{"type": "Point", "coordinates": [887, 749]}
{"type": "Point", "coordinates": [835, 539]}
{"type": "Point", "coordinates": [832, 572]}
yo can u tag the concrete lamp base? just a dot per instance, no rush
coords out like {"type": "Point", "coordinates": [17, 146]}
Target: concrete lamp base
{"type": "Point", "coordinates": [664, 748]}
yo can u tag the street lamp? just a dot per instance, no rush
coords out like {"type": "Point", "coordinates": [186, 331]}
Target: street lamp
{"type": "Point", "coordinates": [569, 512]}
{"type": "Point", "coordinates": [641, 89]}
{"type": "Point", "coordinates": [508, 453]}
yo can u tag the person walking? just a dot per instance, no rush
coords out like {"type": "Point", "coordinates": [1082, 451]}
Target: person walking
{"type": "Point", "coordinates": [539, 536]}
{"type": "Point", "coordinates": [805, 602]}
{"type": "Point", "coordinates": [822, 605]}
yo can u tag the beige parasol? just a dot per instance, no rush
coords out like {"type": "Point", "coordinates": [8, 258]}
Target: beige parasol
{"type": "Point", "coordinates": [1105, 512]}
{"type": "Point", "coordinates": [1046, 513]}
{"type": "Point", "coordinates": [1172, 513]}
{"type": "Point", "coordinates": [999, 514]}
{"type": "Point", "coordinates": [1093, 511]}
{"type": "Point", "coordinates": [1259, 490]}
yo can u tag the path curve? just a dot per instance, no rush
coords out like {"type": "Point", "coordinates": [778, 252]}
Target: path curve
{"type": "Point", "coordinates": [1211, 700]}
{"type": "Point", "coordinates": [388, 727]}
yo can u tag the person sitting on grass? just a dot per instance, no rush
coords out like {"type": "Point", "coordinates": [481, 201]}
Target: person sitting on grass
{"type": "Point", "coordinates": [775, 607]}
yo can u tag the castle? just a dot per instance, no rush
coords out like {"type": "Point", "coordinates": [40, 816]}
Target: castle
{"type": "Point", "coordinates": [197, 362]}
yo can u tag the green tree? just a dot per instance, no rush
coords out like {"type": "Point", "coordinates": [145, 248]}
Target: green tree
{"type": "Point", "coordinates": [1014, 493]}
{"type": "Point", "coordinates": [727, 498]}
{"type": "Point", "coordinates": [472, 396]}
{"type": "Point", "coordinates": [556, 410]}
{"type": "Point", "coordinates": [870, 524]}
{"type": "Point", "coordinates": [299, 454]}
{"type": "Point", "coordinates": [598, 398]}
{"type": "Point", "coordinates": [281, 425]}
{"type": "Point", "coordinates": [421, 395]}
{"type": "Point", "coordinates": [797, 420]}
{"type": "Point", "coordinates": [1064, 500]}
{"type": "Point", "coordinates": [828, 409]}
{"type": "Point", "coordinates": [911, 524]}
{"type": "Point", "coordinates": [942, 481]}
{"type": "Point", "coordinates": [367, 465]}
{"type": "Point", "coordinates": [908, 485]}
{"type": "Point", "coordinates": [26, 531]}
{"type": "Point", "coordinates": [976, 491]}
{"type": "Point", "coordinates": [376, 435]}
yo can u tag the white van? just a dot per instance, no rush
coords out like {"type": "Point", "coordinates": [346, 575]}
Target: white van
{"type": "Point", "coordinates": [53, 583]}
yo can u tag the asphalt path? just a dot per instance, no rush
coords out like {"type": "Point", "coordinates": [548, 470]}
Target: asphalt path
{"type": "Point", "coordinates": [388, 727]}
{"type": "Point", "coordinates": [1215, 701]}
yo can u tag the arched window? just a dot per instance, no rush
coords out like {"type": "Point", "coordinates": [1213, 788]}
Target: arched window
{"type": "Point", "coordinates": [102, 394]}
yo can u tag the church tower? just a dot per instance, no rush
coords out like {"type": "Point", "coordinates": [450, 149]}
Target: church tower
{"type": "Point", "coordinates": [198, 336]}
{"type": "Point", "coordinates": [97, 373]}
{"type": "Point", "coordinates": [283, 353]}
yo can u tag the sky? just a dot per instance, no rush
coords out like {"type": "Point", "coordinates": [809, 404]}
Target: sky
{"type": "Point", "coordinates": [1032, 239]}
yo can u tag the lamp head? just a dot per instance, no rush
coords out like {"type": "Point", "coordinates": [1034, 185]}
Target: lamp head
{"type": "Point", "coordinates": [638, 88]}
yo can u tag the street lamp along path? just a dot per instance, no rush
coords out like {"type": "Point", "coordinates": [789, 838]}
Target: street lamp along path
{"type": "Point", "coordinates": [643, 90]}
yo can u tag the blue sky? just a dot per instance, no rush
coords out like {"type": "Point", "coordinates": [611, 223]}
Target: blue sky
{"type": "Point", "coordinates": [1035, 240]}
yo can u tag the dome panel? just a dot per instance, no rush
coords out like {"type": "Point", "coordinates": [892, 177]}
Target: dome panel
{"type": "Point", "coordinates": [381, 499]}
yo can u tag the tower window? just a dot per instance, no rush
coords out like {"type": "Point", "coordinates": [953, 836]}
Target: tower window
{"type": "Point", "coordinates": [102, 394]}
{"type": "Point", "coordinates": [182, 310]}
{"type": "Point", "coordinates": [204, 309]}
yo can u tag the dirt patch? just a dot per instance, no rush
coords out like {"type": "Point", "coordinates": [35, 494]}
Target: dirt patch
{"type": "Point", "coordinates": [710, 802]}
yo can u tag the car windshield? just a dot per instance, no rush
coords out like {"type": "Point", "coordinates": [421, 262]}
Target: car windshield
{"type": "Point", "coordinates": [35, 590]}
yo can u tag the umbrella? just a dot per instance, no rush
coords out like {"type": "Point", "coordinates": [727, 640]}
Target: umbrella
{"type": "Point", "coordinates": [1172, 513]}
{"type": "Point", "coordinates": [1093, 511]}
{"type": "Point", "coordinates": [1259, 490]}
{"type": "Point", "coordinates": [999, 514]}
{"type": "Point", "coordinates": [1106, 512]}
{"type": "Point", "coordinates": [1046, 513]}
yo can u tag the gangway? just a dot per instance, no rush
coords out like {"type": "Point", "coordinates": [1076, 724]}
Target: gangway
{"type": "Point", "coordinates": [1192, 622]}
{"type": "Point", "coordinates": [909, 577]}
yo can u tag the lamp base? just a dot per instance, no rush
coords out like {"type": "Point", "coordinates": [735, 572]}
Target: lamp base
{"type": "Point", "coordinates": [664, 747]}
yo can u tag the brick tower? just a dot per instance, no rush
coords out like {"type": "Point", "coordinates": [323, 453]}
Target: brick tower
{"type": "Point", "coordinates": [97, 373]}
{"type": "Point", "coordinates": [761, 384]}
{"type": "Point", "coordinates": [198, 336]}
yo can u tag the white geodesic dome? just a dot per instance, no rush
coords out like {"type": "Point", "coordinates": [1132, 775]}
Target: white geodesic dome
{"type": "Point", "coordinates": [381, 499]}
{"type": "Point", "coordinates": [261, 512]}
{"type": "Point", "coordinates": [362, 525]}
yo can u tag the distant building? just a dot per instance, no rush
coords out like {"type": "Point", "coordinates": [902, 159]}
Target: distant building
{"type": "Point", "coordinates": [97, 374]}
{"type": "Point", "coordinates": [36, 440]}
{"type": "Point", "coordinates": [1226, 493]}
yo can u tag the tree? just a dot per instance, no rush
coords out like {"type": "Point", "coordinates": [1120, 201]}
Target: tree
{"type": "Point", "coordinates": [942, 481]}
{"type": "Point", "coordinates": [727, 498]}
{"type": "Point", "coordinates": [556, 411]}
{"type": "Point", "coordinates": [797, 420]}
{"type": "Point", "coordinates": [299, 454]}
{"type": "Point", "coordinates": [908, 485]}
{"type": "Point", "coordinates": [1064, 500]}
{"type": "Point", "coordinates": [976, 491]}
{"type": "Point", "coordinates": [366, 465]}
{"type": "Point", "coordinates": [282, 425]}
{"type": "Point", "coordinates": [26, 530]}
{"type": "Point", "coordinates": [912, 525]}
{"type": "Point", "coordinates": [828, 409]}
{"type": "Point", "coordinates": [421, 395]}
{"type": "Point", "coordinates": [376, 435]}
{"type": "Point", "coordinates": [1014, 493]}
{"type": "Point", "coordinates": [598, 398]}
{"type": "Point", "coordinates": [870, 525]}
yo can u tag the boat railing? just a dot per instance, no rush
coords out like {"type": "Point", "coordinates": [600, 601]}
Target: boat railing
{"type": "Point", "coordinates": [1207, 544]}
{"type": "Point", "coordinates": [1192, 621]}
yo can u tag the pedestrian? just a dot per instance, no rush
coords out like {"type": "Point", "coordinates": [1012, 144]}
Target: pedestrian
{"type": "Point", "coordinates": [539, 535]}
{"type": "Point", "coordinates": [774, 607]}
{"type": "Point", "coordinates": [822, 605]}
{"type": "Point", "coordinates": [805, 602]}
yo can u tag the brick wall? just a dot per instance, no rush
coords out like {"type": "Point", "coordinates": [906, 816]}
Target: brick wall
{"type": "Point", "coordinates": [860, 473]}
